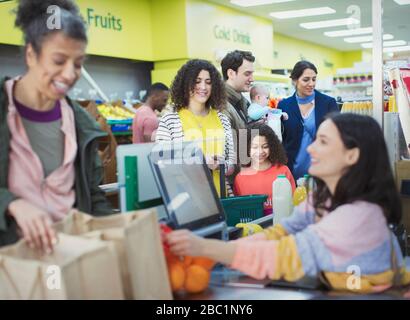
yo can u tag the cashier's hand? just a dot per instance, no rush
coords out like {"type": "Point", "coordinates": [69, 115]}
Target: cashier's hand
{"type": "Point", "coordinates": [35, 225]}
{"type": "Point", "coordinates": [185, 243]}
{"type": "Point", "coordinates": [285, 116]}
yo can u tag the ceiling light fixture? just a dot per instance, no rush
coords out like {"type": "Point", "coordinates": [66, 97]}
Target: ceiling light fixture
{"type": "Point", "coordinates": [254, 3]}
{"type": "Point", "coordinates": [348, 32]}
{"type": "Point", "coordinates": [402, 2]}
{"type": "Point", "coordinates": [302, 13]}
{"type": "Point", "coordinates": [329, 23]}
{"type": "Point", "coordinates": [397, 49]}
{"type": "Point", "coordinates": [393, 43]}
{"type": "Point", "coordinates": [366, 38]}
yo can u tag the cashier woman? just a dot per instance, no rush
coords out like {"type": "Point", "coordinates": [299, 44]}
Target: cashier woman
{"type": "Point", "coordinates": [344, 224]}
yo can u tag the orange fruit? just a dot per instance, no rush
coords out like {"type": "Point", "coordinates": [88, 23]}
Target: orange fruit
{"type": "Point", "coordinates": [207, 263]}
{"type": "Point", "coordinates": [187, 261]}
{"type": "Point", "coordinates": [169, 256]}
{"type": "Point", "coordinates": [196, 279]}
{"type": "Point", "coordinates": [176, 273]}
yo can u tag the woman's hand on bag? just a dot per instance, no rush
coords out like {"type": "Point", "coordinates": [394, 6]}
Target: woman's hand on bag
{"type": "Point", "coordinates": [185, 243]}
{"type": "Point", "coordinates": [35, 225]}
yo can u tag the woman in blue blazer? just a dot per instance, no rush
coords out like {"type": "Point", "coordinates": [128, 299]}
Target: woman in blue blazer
{"type": "Point", "coordinates": [306, 110]}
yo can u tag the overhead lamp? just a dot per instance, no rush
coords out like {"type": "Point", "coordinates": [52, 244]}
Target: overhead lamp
{"type": "Point", "coordinates": [397, 49]}
{"type": "Point", "coordinates": [393, 43]}
{"type": "Point", "coordinates": [329, 23]}
{"type": "Point", "coordinates": [366, 38]}
{"type": "Point", "coordinates": [348, 32]}
{"type": "Point", "coordinates": [254, 3]}
{"type": "Point", "coordinates": [302, 13]}
{"type": "Point", "coordinates": [402, 2]}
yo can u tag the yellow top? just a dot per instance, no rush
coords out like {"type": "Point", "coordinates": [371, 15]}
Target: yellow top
{"type": "Point", "coordinates": [207, 129]}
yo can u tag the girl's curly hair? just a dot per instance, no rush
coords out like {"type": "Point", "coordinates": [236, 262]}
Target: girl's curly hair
{"type": "Point", "coordinates": [185, 81]}
{"type": "Point", "coordinates": [277, 154]}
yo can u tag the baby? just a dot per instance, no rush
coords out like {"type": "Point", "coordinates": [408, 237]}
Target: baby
{"type": "Point", "coordinates": [259, 107]}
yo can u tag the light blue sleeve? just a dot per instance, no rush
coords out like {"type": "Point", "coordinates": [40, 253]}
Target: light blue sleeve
{"type": "Point", "coordinates": [314, 254]}
{"type": "Point", "coordinates": [299, 220]}
{"type": "Point", "coordinates": [256, 112]}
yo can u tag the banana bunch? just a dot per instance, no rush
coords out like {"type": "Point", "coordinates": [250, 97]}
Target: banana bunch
{"type": "Point", "coordinates": [249, 228]}
{"type": "Point", "coordinates": [123, 112]}
{"type": "Point", "coordinates": [114, 112]}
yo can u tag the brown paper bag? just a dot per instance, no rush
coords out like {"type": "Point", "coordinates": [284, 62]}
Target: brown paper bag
{"type": "Point", "coordinates": [79, 268]}
{"type": "Point", "coordinates": [137, 240]}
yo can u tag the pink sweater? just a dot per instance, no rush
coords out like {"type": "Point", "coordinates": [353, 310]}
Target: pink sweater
{"type": "Point", "coordinates": [353, 235]}
{"type": "Point", "coordinates": [55, 193]}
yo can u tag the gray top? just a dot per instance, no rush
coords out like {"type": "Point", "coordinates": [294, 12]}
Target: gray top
{"type": "Point", "coordinates": [47, 141]}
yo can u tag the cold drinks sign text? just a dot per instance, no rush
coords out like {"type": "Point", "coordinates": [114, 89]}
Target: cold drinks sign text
{"type": "Point", "coordinates": [231, 34]}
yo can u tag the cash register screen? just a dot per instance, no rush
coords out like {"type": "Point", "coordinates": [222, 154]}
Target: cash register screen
{"type": "Point", "coordinates": [187, 188]}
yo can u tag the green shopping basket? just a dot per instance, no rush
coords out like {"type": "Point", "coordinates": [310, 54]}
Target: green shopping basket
{"type": "Point", "coordinates": [243, 209]}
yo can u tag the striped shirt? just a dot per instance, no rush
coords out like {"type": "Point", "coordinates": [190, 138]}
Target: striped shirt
{"type": "Point", "coordinates": [170, 129]}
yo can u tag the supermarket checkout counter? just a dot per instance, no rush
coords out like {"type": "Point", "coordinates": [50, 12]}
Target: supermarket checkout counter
{"type": "Point", "coordinates": [234, 287]}
{"type": "Point", "coordinates": [219, 292]}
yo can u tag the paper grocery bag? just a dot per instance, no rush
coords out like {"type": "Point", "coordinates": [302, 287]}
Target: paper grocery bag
{"type": "Point", "coordinates": [78, 268]}
{"type": "Point", "coordinates": [116, 236]}
{"type": "Point", "coordinates": [137, 240]}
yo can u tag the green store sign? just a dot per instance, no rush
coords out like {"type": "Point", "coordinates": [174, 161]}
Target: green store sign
{"type": "Point", "coordinates": [106, 21]}
{"type": "Point", "coordinates": [230, 34]}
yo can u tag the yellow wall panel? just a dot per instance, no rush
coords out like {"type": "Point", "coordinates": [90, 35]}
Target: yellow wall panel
{"type": "Point", "coordinates": [169, 29]}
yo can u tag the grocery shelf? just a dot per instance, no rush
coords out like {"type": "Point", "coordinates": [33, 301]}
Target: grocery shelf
{"type": "Point", "coordinates": [369, 98]}
{"type": "Point", "coordinates": [353, 85]}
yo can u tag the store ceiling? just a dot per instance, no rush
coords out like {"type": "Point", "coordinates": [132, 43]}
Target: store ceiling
{"type": "Point", "coordinates": [395, 19]}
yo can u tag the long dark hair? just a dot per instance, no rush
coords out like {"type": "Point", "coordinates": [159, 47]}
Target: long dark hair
{"type": "Point", "coordinates": [185, 81]}
{"type": "Point", "coordinates": [300, 67]}
{"type": "Point", "coordinates": [32, 18]}
{"type": "Point", "coordinates": [371, 178]}
{"type": "Point", "coordinates": [277, 154]}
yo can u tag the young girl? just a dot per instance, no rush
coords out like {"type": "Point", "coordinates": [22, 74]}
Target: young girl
{"type": "Point", "coordinates": [268, 160]}
{"type": "Point", "coordinates": [342, 229]}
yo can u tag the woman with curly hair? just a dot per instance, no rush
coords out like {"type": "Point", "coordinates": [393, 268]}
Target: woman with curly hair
{"type": "Point", "coordinates": [267, 161]}
{"type": "Point", "coordinates": [198, 95]}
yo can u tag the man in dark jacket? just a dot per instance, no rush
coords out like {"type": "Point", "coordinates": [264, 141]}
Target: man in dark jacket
{"type": "Point", "coordinates": [237, 71]}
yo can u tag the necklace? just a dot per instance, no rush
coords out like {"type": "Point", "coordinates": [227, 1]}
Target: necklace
{"type": "Point", "coordinates": [200, 118]}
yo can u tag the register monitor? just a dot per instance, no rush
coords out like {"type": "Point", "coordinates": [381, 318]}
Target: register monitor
{"type": "Point", "coordinates": [138, 189]}
{"type": "Point", "coordinates": [187, 188]}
